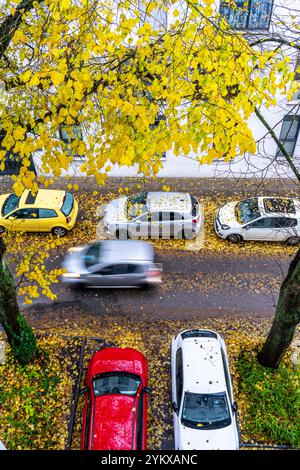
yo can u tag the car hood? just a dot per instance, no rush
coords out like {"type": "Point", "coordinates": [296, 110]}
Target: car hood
{"type": "Point", "coordinates": [3, 198]}
{"type": "Point", "coordinates": [116, 210]}
{"type": "Point", "coordinates": [213, 439]}
{"type": "Point", "coordinates": [227, 216]}
{"type": "Point", "coordinates": [113, 422]}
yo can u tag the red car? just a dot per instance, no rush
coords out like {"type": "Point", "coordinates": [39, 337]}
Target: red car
{"type": "Point", "coordinates": [115, 412]}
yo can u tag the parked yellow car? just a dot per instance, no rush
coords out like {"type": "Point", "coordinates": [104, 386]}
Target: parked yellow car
{"type": "Point", "coordinates": [46, 211]}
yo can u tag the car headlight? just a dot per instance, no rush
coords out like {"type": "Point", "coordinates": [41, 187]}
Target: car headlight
{"type": "Point", "coordinates": [225, 227]}
{"type": "Point", "coordinates": [67, 275]}
{"type": "Point", "coordinates": [75, 249]}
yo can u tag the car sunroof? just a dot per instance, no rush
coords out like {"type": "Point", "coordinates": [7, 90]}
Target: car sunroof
{"type": "Point", "coordinates": [281, 205]}
{"type": "Point", "coordinates": [30, 199]}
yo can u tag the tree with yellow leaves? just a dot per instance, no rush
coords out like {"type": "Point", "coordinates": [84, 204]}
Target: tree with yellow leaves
{"type": "Point", "coordinates": [96, 64]}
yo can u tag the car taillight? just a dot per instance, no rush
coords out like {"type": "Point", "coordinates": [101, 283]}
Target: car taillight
{"type": "Point", "coordinates": [153, 273]}
{"type": "Point", "coordinates": [68, 220]}
{"type": "Point", "coordinates": [195, 220]}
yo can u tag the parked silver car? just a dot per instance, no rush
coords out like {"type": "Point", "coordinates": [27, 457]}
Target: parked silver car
{"type": "Point", "coordinates": [153, 214]}
{"type": "Point", "coordinates": [260, 218]}
{"type": "Point", "coordinates": [111, 263]}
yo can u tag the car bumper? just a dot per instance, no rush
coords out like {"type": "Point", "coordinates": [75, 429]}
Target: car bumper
{"type": "Point", "coordinates": [218, 229]}
{"type": "Point", "coordinates": [71, 280]}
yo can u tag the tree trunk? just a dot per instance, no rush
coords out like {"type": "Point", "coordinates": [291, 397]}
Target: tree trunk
{"type": "Point", "coordinates": [287, 317]}
{"type": "Point", "coordinates": [19, 334]}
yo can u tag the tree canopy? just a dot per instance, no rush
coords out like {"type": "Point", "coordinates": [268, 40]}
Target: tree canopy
{"type": "Point", "coordinates": [136, 90]}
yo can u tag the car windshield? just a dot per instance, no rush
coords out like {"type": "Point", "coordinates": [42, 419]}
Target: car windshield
{"type": "Point", "coordinates": [68, 204]}
{"type": "Point", "coordinates": [247, 210]}
{"type": "Point", "coordinates": [10, 204]}
{"type": "Point", "coordinates": [136, 205]}
{"type": "Point", "coordinates": [91, 255]}
{"type": "Point", "coordinates": [116, 383]}
{"type": "Point", "coordinates": [205, 411]}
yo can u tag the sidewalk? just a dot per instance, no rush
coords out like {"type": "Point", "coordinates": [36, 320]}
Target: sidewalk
{"type": "Point", "coordinates": [200, 186]}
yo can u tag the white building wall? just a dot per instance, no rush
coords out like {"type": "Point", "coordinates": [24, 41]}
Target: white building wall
{"type": "Point", "coordinates": [261, 164]}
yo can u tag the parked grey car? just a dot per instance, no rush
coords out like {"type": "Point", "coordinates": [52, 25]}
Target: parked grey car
{"type": "Point", "coordinates": [154, 214]}
{"type": "Point", "coordinates": [111, 263]}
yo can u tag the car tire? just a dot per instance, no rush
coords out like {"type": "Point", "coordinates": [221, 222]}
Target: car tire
{"type": "Point", "coordinates": [122, 234]}
{"type": "Point", "coordinates": [2, 229]}
{"type": "Point", "coordinates": [234, 238]}
{"type": "Point", "coordinates": [59, 231]}
{"type": "Point", "coordinates": [293, 241]}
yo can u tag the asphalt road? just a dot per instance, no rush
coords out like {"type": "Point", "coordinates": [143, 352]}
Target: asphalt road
{"type": "Point", "coordinates": [194, 284]}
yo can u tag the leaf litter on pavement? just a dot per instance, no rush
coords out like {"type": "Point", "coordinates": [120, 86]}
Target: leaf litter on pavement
{"type": "Point", "coordinates": [151, 338]}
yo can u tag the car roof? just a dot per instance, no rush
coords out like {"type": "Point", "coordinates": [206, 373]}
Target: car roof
{"type": "Point", "coordinates": [270, 206]}
{"type": "Point", "coordinates": [169, 200]}
{"type": "Point", "coordinates": [202, 365]}
{"type": "Point", "coordinates": [113, 423]}
{"type": "Point", "coordinates": [125, 250]}
{"type": "Point", "coordinates": [44, 198]}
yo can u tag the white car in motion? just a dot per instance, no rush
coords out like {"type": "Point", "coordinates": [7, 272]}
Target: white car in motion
{"type": "Point", "coordinates": [204, 412]}
{"type": "Point", "coordinates": [260, 218]}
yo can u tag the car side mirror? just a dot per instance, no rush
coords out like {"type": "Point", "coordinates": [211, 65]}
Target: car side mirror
{"type": "Point", "coordinates": [11, 218]}
{"type": "Point", "coordinates": [137, 221]}
{"type": "Point", "coordinates": [234, 407]}
{"type": "Point", "coordinates": [84, 390]}
{"type": "Point", "coordinates": [247, 227]}
{"type": "Point", "coordinates": [147, 390]}
{"type": "Point", "coordinates": [175, 407]}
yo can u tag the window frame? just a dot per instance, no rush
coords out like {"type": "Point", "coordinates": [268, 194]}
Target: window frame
{"type": "Point", "coordinates": [250, 225]}
{"type": "Point", "coordinates": [13, 214]}
{"type": "Point", "coordinates": [247, 26]}
{"type": "Point", "coordinates": [51, 217]}
{"type": "Point", "coordinates": [291, 118]}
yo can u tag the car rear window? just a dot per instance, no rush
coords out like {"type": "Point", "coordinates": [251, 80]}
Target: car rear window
{"type": "Point", "coordinates": [10, 204]}
{"type": "Point", "coordinates": [198, 334]}
{"type": "Point", "coordinates": [67, 204]}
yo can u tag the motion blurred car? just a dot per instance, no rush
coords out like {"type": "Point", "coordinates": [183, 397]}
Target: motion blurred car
{"type": "Point", "coordinates": [153, 214]}
{"type": "Point", "coordinates": [260, 218]}
{"type": "Point", "coordinates": [115, 411]}
{"type": "Point", "coordinates": [204, 411]}
{"type": "Point", "coordinates": [111, 263]}
{"type": "Point", "coordinates": [46, 211]}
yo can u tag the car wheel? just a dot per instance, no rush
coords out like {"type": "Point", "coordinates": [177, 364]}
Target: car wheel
{"type": "Point", "coordinates": [234, 238]}
{"type": "Point", "coordinates": [59, 231]}
{"type": "Point", "coordinates": [122, 234]}
{"type": "Point", "coordinates": [292, 241]}
{"type": "Point", "coordinates": [2, 229]}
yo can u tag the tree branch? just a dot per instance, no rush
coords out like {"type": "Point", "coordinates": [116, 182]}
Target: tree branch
{"type": "Point", "coordinates": [280, 145]}
{"type": "Point", "coordinates": [11, 23]}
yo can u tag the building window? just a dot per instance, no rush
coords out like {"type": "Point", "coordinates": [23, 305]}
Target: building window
{"type": "Point", "coordinates": [248, 14]}
{"type": "Point", "coordinates": [289, 134]}
{"type": "Point", "coordinates": [157, 18]}
{"type": "Point", "coordinates": [69, 134]}
{"type": "Point", "coordinates": [296, 95]}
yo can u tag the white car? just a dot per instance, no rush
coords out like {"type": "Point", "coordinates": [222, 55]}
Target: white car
{"type": "Point", "coordinates": [260, 218]}
{"type": "Point", "coordinates": [204, 411]}
{"type": "Point", "coordinates": [153, 214]}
